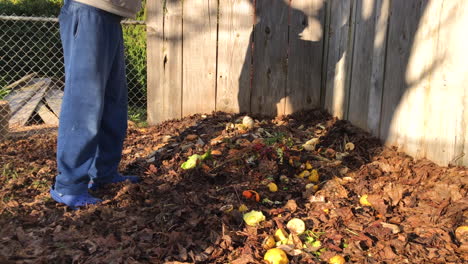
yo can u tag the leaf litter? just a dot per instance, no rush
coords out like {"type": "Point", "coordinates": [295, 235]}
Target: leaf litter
{"type": "Point", "coordinates": [414, 210]}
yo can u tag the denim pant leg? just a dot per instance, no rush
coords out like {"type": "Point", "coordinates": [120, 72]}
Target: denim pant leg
{"type": "Point", "coordinates": [91, 40]}
{"type": "Point", "coordinates": [114, 121]}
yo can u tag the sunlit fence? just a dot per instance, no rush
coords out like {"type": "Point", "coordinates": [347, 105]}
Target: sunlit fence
{"type": "Point", "coordinates": [32, 73]}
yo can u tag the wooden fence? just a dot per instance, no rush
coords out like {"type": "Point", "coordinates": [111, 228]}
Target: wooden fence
{"type": "Point", "coordinates": [395, 68]}
{"type": "Point", "coordinates": [259, 56]}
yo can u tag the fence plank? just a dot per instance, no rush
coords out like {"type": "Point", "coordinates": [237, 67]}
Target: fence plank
{"type": "Point", "coordinates": [463, 156]}
{"type": "Point", "coordinates": [164, 40]}
{"type": "Point", "coordinates": [339, 57]}
{"type": "Point", "coordinates": [234, 56]}
{"type": "Point", "coordinates": [403, 107]}
{"type": "Point", "coordinates": [307, 19]}
{"type": "Point", "coordinates": [326, 39]}
{"type": "Point", "coordinates": [362, 63]}
{"type": "Point", "coordinates": [445, 127]}
{"type": "Point", "coordinates": [378, 66]}
{"type": "Point", "coordinates": [368, 64]}
{"type": "Point", "coordinates": [199, 63]}
{"type": "Point", "coordinates": [270, 58]}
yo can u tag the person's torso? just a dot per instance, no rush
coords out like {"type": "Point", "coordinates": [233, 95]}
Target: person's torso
{"type": "Point", "coordinates": [124, 8]}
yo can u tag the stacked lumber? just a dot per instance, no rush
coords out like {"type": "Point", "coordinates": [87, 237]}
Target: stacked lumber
{"type": "Point", "coordinates": [34, 97]}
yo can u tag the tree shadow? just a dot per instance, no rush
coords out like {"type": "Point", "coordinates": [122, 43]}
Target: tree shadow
{"type": "Point", "coordinates": [282, 66]}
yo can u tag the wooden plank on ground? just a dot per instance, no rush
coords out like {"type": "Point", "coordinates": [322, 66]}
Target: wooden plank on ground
{"type": "Point", "coordinates": [18, 98]}
{"type": "Point", "coordinates": [270, 58]}
{"type": "Point", "coordinates": [234, 56]}
{"type": "Point", "coordinates": [408, 66]}
{"type": "Point", "coordinates": [22, 115]}
{"type": "Point", "coordinates": [199, 63]}
{"type": "Point", "coordinates": [339, 59]}
{"type": "Point", "coordinates": [21, 82]}
{"type": "Point", "coordinates": [307, 19]}
{"type": "Point", "coordinates": [46, 114]}
{"type": "Point", "coordinates": [53, 99]}
{"type": "Point", "coordinates": [164, 40]}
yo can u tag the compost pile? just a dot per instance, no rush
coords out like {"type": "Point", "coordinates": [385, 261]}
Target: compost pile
{"type": "Point", "coordinates": [225, 189]}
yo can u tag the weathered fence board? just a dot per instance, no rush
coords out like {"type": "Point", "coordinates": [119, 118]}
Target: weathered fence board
{"type": "Point", "coordinates": [234, 55]}
{"type": "Point", "coordinates": [407, 77]}
{"type": "Point", "coordinates": [53, 99]}
{"type": "Point", "coordinates": [362, 63]}
{"type": "Point", "coordinates": [401, 123]}
{"type": "Point", "coordinates": [164, 60]}
{"type": "Point", "coordinates": [366, 77]}
{"type": "Point", "coordinates": [19, 97]}
{"type": "Point", "coordinates": [270, 58]}
{"type": "Point", "coordinates": [378, 66]}
{"type": "Point", "coordinates": [445, 129]}
{"type": "Point", "coordinates": [199, 52]}
{"type": "Point", "coordinates": [46, 114]}
{"type": "Point", "coordinates": [19, 118]}
{"type": "Point", "coordinates": [307, 18]}
{"type": "Point", "coordinates": [338, 65]}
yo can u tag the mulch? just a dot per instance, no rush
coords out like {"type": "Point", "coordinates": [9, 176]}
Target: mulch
{"type": "Point", "coordinates": [192, 216]}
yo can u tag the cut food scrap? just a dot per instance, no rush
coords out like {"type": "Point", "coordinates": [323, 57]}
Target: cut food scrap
{"type": "Point", "coordinates": [269, 242]}
{"type": "Point", "coordinates": [251, 195]}
{"type": "Point", "coordinates": [281, 235]}
{"type": "Point", "coordinates": [276, 256]}
{"type": "Point", "coordinates": [461, 233]}
{"type": "Point", "coordinates": [296, 226]}
{"type": "Point", "coordinates": [243, 208]}
{"type": "Point", "coordinates": [311, 144]}
{"type": "Point", "coordinates": [337, 260]}
{"type": "Point", "coordinates": [349, 146]}
{"type": "Point", "coordinates": [272, 187]}
{"type": "Point", "coordinates": [195, 160]}
{"type": "Point", "coordinates": [363, 200]}
{"type": "Point", "coordinates": [314, 176]}
{"type": "Point", "coordinates": [248, 122]}
{"type": "Point", "coordinates": [253, 218]}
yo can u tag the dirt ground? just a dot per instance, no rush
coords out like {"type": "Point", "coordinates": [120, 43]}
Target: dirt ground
{"type": "Point", "coordinates": [192, 216]}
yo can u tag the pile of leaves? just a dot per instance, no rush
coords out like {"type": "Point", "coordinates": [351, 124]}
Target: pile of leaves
{"type": "Point", "coordinates": [203, 174]}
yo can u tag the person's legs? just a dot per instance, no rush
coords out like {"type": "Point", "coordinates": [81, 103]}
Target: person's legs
{"type": "Point", "coordinates": [91, 41]}
{"type": "Point", "coordinates": [113, 124]}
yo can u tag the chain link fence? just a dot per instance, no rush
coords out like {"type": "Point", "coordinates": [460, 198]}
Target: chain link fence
{"type": "Point", "coordinates": [32, 74]}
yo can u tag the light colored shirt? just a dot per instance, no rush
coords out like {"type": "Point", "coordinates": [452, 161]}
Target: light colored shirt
{"type": "Point", "coordinates": [124, 8]}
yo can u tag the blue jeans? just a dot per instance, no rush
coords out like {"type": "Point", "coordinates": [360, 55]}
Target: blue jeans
{"type": "Point", "coordinates": [93, 119]}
